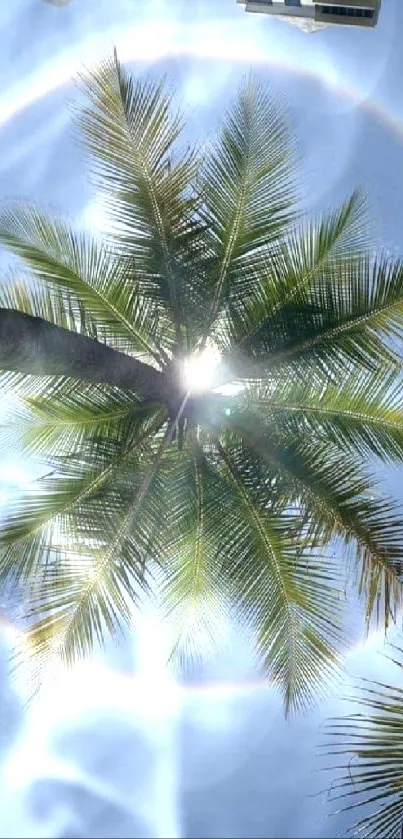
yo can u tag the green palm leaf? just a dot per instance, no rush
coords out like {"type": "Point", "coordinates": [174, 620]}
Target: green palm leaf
{"type": "Point", "coordinates": [63, 500]}
{"type": "Point", "coordinates": [361, 310]}
{"type": "Point", "coordinates": [362, 415]}
{"type": "Point", "coordinates": [348, 316]}
{"type": "Point", "coordinates": [64, 419]}
{"type": "Point", "coordinates": [270, 581]}
{"type": "Point", "coordinates": [131, 132]}
{"type": "Point", "coordinates": [25, 293]}
{"type": "Point", "coordinates": [307, 251]}
{"type": "Point", "coordinates": [277, 588]}
{"type": "Point", "coordinates": [191, 595]}
{"type": "Point", "coordinates": [371, 739]}
{"type": "Point", "coordinates": [248, 191]}
{"type": "Point", "coordinates": [83, 268]}
{"type": "Point", "coordinates": [338, 503]}
{"type": "Point", "coordinates": [88, 589]}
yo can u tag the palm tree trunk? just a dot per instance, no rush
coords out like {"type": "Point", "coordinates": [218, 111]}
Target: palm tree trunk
{"type": "Point", "coordinates": [32, 345]}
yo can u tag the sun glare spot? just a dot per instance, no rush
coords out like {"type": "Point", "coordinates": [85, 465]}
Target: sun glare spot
{"type": "Point", "coordinates": [195, 89]}
{"type": "Point", "coordinates": [201, 368]}
{"type": "Point", "coordinates": [14, 474]}
{"type": "Point", "coordinates": [230, 389]}
{"type": "Point", "coordinates": [12, 633]}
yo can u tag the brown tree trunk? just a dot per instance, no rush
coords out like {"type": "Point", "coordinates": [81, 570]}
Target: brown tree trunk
{"type": "Point", "coordinates": [32, 345]}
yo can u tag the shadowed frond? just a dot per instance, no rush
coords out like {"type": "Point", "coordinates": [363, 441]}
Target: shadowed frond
{"type": "Point", "coordinates": [352, 315]}
{"type": "Point", "coordinates": [277, 587]}
{"type": "Point", "coordinates": [232, 551]}
{"type": "Point", "coordinates": [306, 252]}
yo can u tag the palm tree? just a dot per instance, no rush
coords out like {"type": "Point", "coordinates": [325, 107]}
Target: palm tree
{"type": "Point", "coordinates": [227, 497]}
{"type": "Point", "coordinates": [373, 740]}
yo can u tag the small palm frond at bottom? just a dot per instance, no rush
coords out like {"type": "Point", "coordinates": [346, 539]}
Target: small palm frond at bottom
{"type": "Point", "coordinates": [370, 746]}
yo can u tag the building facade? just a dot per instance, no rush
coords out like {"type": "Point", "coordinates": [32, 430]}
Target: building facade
{"type": "Point", "coordinates": [314, 14]}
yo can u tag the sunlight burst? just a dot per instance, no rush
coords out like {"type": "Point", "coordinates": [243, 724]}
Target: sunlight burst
{"type": "Point", "coordinates": [201, 368]}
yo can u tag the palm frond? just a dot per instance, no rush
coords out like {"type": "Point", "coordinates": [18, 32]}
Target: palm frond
{"type": "Point", "coordinates": [340, 502]}
{"type": "Point", "coordinates": [307, 251]}
{"type": "Point", "coordinates": [248, 191]}
{"type": "Point", "coordinates": [131, 131]}
{"type": "Point", "coordinates": [349, 316]}
{"type": "Point", "coordinates": [24, 292]}
{"type": "Point", "coordinates": [90, 277]}
{"type": "Point", "coordinates": [63, 420]}
{"type": "Point", "coordinates": [314, 246]}
{"type": "Point", "coordinates": [369, 744]}
{"type": "Point", "coordinates": [362, 312]}
{"type": "Point", "coordinates": [92, 591]}
{"type": "Point", "coordinates": [231, 551]}
{"type": "Point", "coordinates": [362, 414]}
{"type": "Point", "coordinates": [62, 500]}
{"type": "Point", "coordinates": [191, 589]}
{"type": "Point", "coordinates": [277, 586]}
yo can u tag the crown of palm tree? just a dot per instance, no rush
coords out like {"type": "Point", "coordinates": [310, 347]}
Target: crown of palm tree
{"type": "Point", "coordinates": [224, 500]}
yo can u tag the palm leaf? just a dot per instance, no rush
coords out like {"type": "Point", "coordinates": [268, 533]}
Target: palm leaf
{"type": "Point", "coordinates": [362, 415]}
{"type": "Point", "coordinates": [63, 420]}
{"type": "Point", "coordinates": [30, 532]}
{"type": "Point", "coordinates": [248, 191]}
{"type": "Point", "coordinates": [229, 553]}
{"type": "Point", "coordinates": [131, 132]}
{"type": "Point", "coordinates": [92, 593]}
{"type": "Point", "coordinates": [339, 503]}
{"type": "Point", "coordinates": [24, 292]}
{"type": "Point", "coordinates": [372, 740]}
{"type": "Point", "coordinates": [85, 271]}
{"type": "Point", "coordinates": [277, 587]}
{"type": "Point", "coordinates": [352, 316]}
{"type": "Point", "coordinates": [311, 249]}
{"type": "Point", "coordinates": [192, 593]}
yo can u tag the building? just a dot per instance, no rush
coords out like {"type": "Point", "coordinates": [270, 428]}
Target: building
{"type": "Point", "coordinates": [315, 14]}
{"type": "Point", "coordinates": [57, 2]}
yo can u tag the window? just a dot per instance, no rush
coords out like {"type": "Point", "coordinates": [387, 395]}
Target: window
{"type": "Point", "coordinates": [292, 2]}
{"type": "Point", "coordinates": [347, 11]}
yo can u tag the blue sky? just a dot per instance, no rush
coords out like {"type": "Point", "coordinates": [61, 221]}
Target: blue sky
{"type": "Point", "coordinates": [119, 748]}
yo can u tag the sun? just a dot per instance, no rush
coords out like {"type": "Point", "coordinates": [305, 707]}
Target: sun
{"type": "Point", "coordinates": [200, 370]}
